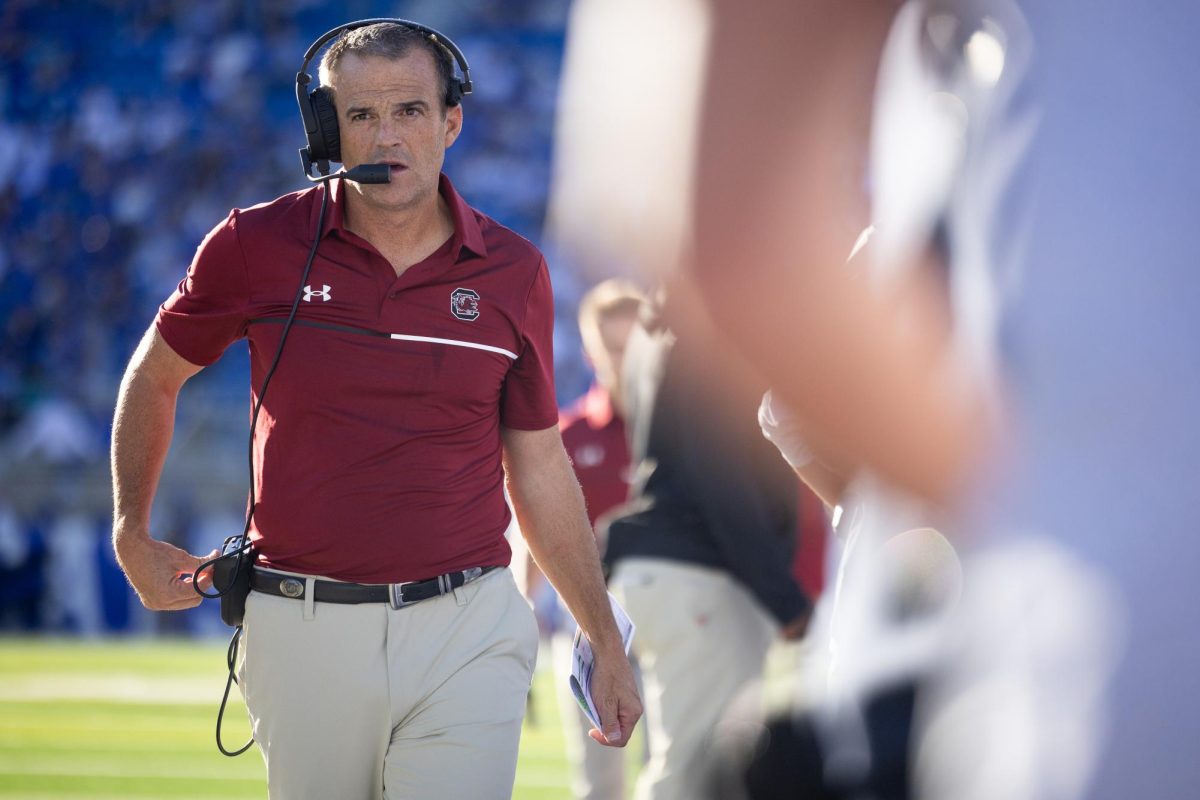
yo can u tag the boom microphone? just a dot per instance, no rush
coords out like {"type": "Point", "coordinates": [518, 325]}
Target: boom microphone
{"type": "Point", "coordinates": [363, 173]}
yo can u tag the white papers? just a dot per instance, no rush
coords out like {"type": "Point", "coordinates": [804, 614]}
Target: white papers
{"type": "Point", "coordinates": [583, 661]}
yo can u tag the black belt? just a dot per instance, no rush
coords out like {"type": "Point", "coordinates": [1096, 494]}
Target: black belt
{"type": "Point", "coordinates": [397, 595]}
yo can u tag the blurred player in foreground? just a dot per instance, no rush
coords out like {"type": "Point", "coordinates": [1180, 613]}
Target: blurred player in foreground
{"type": "Point", "coordinates": [1078, 511]}
{"type": "Point", "coordinates": [701, 557]}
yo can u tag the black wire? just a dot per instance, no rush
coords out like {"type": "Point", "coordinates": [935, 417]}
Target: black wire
{"type": "Point", "coordinates": [244, 546]}
{"type": "Point", "coordinates": [231, 658]}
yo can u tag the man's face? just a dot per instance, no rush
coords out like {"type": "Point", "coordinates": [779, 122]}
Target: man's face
{"type": "Point", "coordinates": [390, 111]}
{"type": "Point", "coordinates": [608, 362]}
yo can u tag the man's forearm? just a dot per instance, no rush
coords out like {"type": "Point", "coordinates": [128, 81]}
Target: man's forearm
{"type": "Point", "coordinates": [550, 508]}
{"type": "Point", "coordinates": [566, 553]}
{"type": "Point", "coordinates": [143, 425]}
{"type": "Point", "coordinates": [553, 519]}
{"type": "Point", "coordinates": [142, 430]}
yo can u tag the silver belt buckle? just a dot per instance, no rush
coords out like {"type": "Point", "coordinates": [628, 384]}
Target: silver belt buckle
{"type": "Point", "coordinates": [291, 587]}
{"type": "Point", "coordinates": [396, 596]}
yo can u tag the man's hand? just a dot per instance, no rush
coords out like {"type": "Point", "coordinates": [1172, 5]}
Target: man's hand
{"type": "Point", "coordinates": [615, 694]}
{"type": "Point", "coordinates": [161, 573]}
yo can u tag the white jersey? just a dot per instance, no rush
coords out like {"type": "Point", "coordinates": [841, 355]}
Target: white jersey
{"type": "Point", "coordinates": [954, 123]}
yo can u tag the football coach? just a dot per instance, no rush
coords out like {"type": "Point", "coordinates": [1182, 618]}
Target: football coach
{"type": "Point", "coordinates": [386, 651]}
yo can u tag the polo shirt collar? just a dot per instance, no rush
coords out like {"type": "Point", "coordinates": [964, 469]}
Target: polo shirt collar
{"type": "Point", "coordinates": [466, 226]}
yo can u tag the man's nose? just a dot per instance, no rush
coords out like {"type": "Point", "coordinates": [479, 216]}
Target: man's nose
{"type": "Point", "coordinates": [390, 132]}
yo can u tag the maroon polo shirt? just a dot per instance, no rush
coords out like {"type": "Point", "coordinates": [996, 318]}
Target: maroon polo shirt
{"type": "Point", "coordinates": [594, 437]}
{"type": "Point", "coordinates": [377, 452]}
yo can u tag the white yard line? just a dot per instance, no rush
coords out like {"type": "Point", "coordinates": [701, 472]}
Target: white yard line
{"type": "Point", "coordinates": [126, 688]}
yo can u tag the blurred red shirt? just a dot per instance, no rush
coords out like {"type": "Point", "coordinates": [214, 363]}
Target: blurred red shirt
{"type": "Point", "coordinates": [595, 440]}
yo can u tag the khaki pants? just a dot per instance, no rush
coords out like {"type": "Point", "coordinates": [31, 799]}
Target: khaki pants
{"type": "Point", "coordinates": [700, 638]}
{"type": "Point", "coordinates": [366, 701]}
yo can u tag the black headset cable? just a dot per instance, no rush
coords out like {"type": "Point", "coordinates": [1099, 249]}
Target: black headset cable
{"type": "Point", "coordinates": [243, 547]}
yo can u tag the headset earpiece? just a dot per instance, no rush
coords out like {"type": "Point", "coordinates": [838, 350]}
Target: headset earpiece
{"type": "Point", "coordinates": [327, 139]}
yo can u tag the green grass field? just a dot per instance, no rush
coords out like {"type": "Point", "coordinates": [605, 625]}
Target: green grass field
{"type": "Point", "coordinates": [129, 719]}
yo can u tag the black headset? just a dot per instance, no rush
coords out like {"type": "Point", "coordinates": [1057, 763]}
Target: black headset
{"type": "Point", "coordinates": [316, 107]}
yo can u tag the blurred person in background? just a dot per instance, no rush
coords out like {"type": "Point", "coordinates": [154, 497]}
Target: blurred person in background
{"type": "Point", "coordinates": [593, 431]}
{"type": "Point", "coordinates": [701, 556]}
{"type": "Point", "coordinates": [73, 601]}
{"type": "Point", "coordinates": [22, 571]}
{"type": "Point", "coordinates": [418, 381]}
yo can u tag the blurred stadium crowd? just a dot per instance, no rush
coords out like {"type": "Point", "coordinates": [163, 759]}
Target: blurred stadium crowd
{"type": "Point", "coordinates": [128, 129]}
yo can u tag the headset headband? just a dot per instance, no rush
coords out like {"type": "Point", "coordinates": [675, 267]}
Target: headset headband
{"type": "Point", "coordinates": [316, 108]}
{"type": "Point", "coordinates": [438, 38]}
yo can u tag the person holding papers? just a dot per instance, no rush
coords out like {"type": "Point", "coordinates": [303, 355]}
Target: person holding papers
{"type": "Point", "coordinates": [700, 556]}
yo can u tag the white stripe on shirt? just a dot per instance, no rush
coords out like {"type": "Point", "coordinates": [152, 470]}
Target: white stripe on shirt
{"type": "Point", "coordinates": [456, 342]}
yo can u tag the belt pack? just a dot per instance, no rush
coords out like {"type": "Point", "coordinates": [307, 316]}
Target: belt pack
{"type": "Point", "coordinates": [231, 578]}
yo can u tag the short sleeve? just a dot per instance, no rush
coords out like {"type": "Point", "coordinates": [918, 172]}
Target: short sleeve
{"type": "Point", "coordinates": [207, 311]}
{"type": "Point", "coordinates": [528, 401]}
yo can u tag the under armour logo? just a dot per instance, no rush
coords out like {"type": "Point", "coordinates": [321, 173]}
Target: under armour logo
{"type": "Point", "coordinates": [309, 294]}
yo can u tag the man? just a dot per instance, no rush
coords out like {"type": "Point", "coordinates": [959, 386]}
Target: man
{"type": "Point", "coordinates": [701, 557]}
{"type": "Point", "coordinates": [416, 381]}
{"type": "Point", "coordinates": [593, 431]}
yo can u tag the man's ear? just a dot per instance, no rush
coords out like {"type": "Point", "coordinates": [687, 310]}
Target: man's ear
{"type": "Point", "coordinates": [454, 121]}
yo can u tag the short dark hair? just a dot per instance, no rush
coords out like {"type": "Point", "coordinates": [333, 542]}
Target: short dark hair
{"type": "Point", "coordinates": [389, 40]}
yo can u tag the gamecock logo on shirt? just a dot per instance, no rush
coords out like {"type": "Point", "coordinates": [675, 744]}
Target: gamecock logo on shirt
{"type": "Point", "coordinates": [464, 304]}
